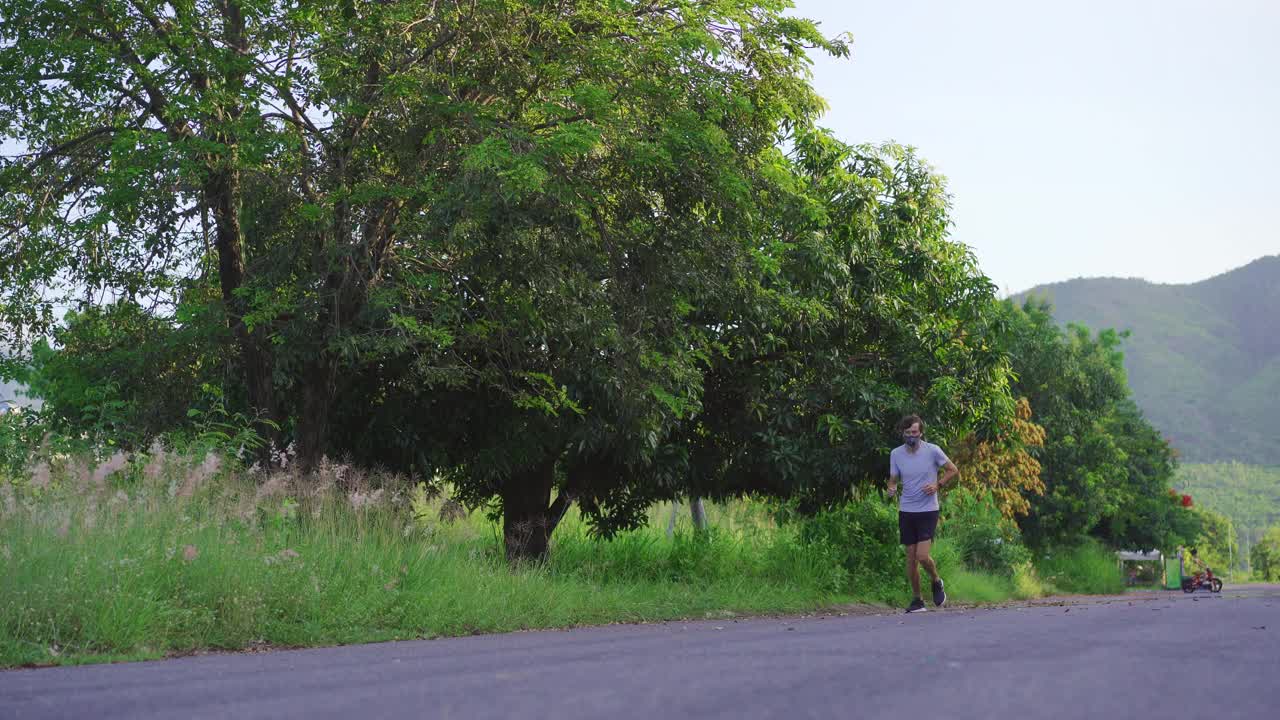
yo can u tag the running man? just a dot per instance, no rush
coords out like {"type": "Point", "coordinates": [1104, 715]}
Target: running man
{"type": "Point", "coordinates": [916, 464]}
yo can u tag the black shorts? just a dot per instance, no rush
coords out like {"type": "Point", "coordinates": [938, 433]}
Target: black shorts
{"type": "Point", "coordinates": [914, 527]}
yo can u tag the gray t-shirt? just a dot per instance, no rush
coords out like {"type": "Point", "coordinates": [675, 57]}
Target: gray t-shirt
{"type": "Point", "coordinates": [915, 470]}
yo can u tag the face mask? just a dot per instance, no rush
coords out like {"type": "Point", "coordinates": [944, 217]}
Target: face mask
{"type": "Point", "coordinates": [911, 440]}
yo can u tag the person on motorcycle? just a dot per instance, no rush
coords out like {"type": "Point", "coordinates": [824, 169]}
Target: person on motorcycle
{"type": "Point", "coordinates": [1195, 559]}
{"type": "Point", "coordinates": [1201, 577]}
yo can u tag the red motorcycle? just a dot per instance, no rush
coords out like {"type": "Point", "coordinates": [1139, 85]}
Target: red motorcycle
{"type": "Point", "coordinates": [1202, 579]}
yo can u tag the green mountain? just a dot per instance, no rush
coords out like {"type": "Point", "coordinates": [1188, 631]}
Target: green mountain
{"type": "Point", "coordinates": [1203, 359]}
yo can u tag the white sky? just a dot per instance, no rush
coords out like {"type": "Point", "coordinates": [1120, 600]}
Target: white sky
{"type": "Point", "coordinates": [1087, 138]}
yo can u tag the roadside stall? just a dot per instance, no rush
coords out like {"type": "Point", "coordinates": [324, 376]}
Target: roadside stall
{"type": "Point", "coordinates": [1139, 568]}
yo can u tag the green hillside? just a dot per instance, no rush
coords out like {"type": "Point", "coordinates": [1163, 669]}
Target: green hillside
{"type": "Point", "coordinates": [1247, 494]}
{"type": "Point", "coordinates": [1203, 359]}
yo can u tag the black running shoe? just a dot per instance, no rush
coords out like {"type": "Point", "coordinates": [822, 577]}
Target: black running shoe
{"type": "Point", "coordinates": [917, 605]}
{"type": "Point", "coordinates": [939, 595]}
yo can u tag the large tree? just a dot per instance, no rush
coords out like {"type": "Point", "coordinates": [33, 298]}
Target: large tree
{"type": "Point", "coordinates": [588, 250]}
{"type": "Point", "coordinates": [503, 212]}
{"type": "Point", "coordinates": [1146, 513]}
{"type": "Point", "coordinates": [1105, 470]}
{"type": "Point", "coordinates": [1073, 379]}
{"type": "Point", "coordinates": [771, 360]}
{"type": "Point", "coordinates": [864, 311]}
{"type": "Point", "coordinates": [308, 156]}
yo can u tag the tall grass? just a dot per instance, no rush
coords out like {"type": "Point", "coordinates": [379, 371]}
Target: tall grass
{"type": "Point", "coordinates": [1087, 568]}
{"type": "Point", "coordinates": [171, 555]}
{"type": "Point", "coordinates": [160, 554]}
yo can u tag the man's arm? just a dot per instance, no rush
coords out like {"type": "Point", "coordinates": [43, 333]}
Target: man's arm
{"type": "Point", "coordinates": [949, 470]}
{"type": "Point", "coordinates": [893, 475]}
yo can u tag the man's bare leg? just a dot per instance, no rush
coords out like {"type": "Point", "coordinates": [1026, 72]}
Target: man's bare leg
{"type": "Point", "coordinates": [913, 571]}
{"type": "Point", "coordinates": [923, 557]}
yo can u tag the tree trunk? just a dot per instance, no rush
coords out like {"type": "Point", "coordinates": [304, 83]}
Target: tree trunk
{"type": "Point", "coordinates": [222, 196]}
{"type": "Point", "coordinates": [699, 513]}
{"type": "Point", "coordinates": [222, 190]}
{"type": "Point", "coordinates": [526, 514]}
{"type": "Point", "coordinates": [696, 509]}
{"type": "Point", "coordinates": [318, 387]}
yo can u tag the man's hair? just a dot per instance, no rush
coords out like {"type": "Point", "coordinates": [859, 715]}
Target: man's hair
{"type": "Point", "coordinates": [908, 421]}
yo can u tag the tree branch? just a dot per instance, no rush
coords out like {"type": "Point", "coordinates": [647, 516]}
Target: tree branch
{"type": "Point", "coordinates": [156, 100]}
{"type": "Point", "coordinates": [63, 148]}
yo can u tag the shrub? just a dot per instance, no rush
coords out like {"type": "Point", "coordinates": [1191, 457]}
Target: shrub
{"type": "Point", "coordinates": [985, 539]}
{"type": "Point", "coordinates": [25, 439]}
{"type": "Point", "coordinates": [1027, 583]}
{"type": "Point", "coordinates": [862, 536]}
{"type": "Point", "coordinates": [1087, 568]}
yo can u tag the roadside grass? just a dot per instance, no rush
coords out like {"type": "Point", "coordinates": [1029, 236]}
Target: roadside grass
{"type": "Point", "coordinates": [166, 554]}
{"type": "Point", "coordinates": [176, 556]}
{"type": "Point", "coordinates": [1087, 569]}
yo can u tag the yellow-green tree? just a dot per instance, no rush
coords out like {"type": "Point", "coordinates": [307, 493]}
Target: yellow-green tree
{"type": "Point", "coordinates": [1005, 467]}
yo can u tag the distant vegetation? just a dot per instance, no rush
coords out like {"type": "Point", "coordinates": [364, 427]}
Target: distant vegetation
{"type": "Point", "coordinates": [1248, 494]}
{"type": "Point", "coordinates": [1203, 359]}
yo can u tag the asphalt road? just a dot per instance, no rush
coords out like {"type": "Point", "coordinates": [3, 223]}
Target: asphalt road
{"type": "Point", "coordinates": [1142, 656]}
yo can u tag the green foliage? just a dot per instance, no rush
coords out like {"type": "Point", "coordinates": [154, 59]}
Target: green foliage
{"type": "Point", "coordinates": [458, 253]}
{"type": "Point", "coordinates": [1217, 542]}
{"type": "Point", "coordinates": [119, 376]}
{"type": "Point", "coordinates": [840, 338]}
{"type": "Point", "coordinates": [986, 540]}
{"type": "Point", "coordinates": [28, 437]}
{"type": "Point", "coordinates": [144, 556]}
{"type": "Point", "coordinates": [1106, 470]}
{"type": "Point", "coordinates": [1248, 495]}
{"type": "Point", "coordinates": [1147, 514]}
{"type": "Point", "coordinates": [20, 434]}
{"type": "Point", "coordinates": [976, 587]}
{"type": "Point", "coordinates": [492, 268]}
{"type": "Point", "coordinates": [1072, 380]}
{"type": "Point", "coordinates": [1204, 364]}
{"type": "Point", "coordinates": [862, 536]}
{"type": "Point", "coordinates": [1027, 583]}
{"type": "Point", "coordinates": [176, 558]}
{"type": "Point", "coordinates": [1087, 568]}
{"type": "Point", "coordinates": [212, 428]}
{"type": "Point", "coordinates": [1264, 556]}
{"type": "Point", "coordinates": [710, 556]}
